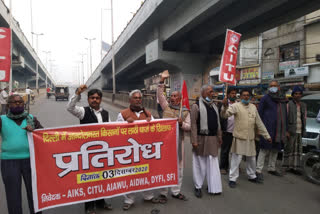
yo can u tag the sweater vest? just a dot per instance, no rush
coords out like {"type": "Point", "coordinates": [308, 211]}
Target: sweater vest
{"type": "Point", "coordinates": [126, 113]}
{"type": "Point", "coordinates": [174, 113]}
{"type": "Point", "coordinates": [90, 117]}
{"type": "Point", "coordinates": [15, 143]}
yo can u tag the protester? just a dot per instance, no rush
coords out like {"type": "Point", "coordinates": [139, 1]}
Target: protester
{"type": "Point", "coordinates": [172, 110]}
{"type": "Point", "coordinates": [246, 118]}
{"type": "Point", "coordinates": [206, 140]}
{"type": "Point", "coordinates": [273, 113]}
{"type": "Point", "coordinates": [297, 114]}
{"type": "Point", "coordinates": [227, 126]}
{"type": "Point", "coordinates": [90, 114]}
{"type": "Point", "coordinates": [15, 156]}
{"type": "Point", "coordinates": [3, 100]}
{"type": "Point", "coordinates": [136, 112]}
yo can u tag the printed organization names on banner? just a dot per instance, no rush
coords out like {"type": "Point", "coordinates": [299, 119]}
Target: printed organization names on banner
{"type": "Point", "coordinates": [5, 54]}
{"type": "Point", "coordinates": [83, 163]}
{"type": "Point", "coordinates": [227, 72]}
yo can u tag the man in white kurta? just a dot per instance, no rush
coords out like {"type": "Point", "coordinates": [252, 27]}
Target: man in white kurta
{"type": "Point", "coordinates": [247, 119]}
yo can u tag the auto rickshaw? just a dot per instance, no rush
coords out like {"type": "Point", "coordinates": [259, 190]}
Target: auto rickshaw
{"type": "Point", "coordinates": [62, 92]}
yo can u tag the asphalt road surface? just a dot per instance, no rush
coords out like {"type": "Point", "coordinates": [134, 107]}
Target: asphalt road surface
{"type": "Point", "coordinates": [290, 194]}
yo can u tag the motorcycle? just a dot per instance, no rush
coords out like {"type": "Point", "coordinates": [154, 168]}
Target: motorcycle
{"type": "Point", "coordinates": [311, 166]}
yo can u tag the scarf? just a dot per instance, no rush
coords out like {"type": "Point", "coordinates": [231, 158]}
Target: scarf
{"type": "Point", "coordinates": [203, 115]}
{"type": "Point", "coordinates": [281, 129]}
{"type": "Point", "coordinates": [138, 109]}
{"type": "Point", "coordinates": [278, 97]}
{"type": "Point", "coordinates": [22, 116]}
{"type": "Point", "coordinates": [177, 107]}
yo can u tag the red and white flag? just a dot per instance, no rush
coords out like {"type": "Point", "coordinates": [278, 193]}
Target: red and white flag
{"type": "Point", "coordinates": [5, 55]}
{"type": "Point", "coordinates": [185, 98]}
{"type": "Point", "coordinates": [229, 58]}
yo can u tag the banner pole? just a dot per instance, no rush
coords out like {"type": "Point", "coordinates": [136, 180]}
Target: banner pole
{"type": "Point", "coordinates": [11, 44]}
{"type": "Point", "coordinates": [181, 105]}
{"type": "Point", "coordinates": [225, 90]}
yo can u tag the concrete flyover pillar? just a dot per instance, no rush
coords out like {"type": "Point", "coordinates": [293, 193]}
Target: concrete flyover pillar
{"type": "Point", "coordinates": [188, 67]}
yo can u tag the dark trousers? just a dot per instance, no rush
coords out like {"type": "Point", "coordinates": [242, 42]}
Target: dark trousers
{"type": "Point", "coordinates": [225, 150]}
{"type": "Point", "coordinates": [3, 109]}
{"type": "Point", "coordinates": [160, 111]}
{"type": "Point", "coordinates": [92, 205]}
{"type": "Point", "coordinates": [12, 171]}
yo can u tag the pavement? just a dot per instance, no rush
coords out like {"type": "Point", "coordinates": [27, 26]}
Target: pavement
{"type": "Point", "coordinates": [290, 194]}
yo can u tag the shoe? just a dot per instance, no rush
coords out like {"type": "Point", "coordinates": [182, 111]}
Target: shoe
{"type": "Point", "coordinates": [180, 197]}
{"type": "Point", "coordinates": [197, 193]}
{"type": "Point", "coordinates": [260, 177]}
{"type": "Point", "coordinates": [255, 180]}
{"type": "Point", "coordinates": [108, 206]}
{"type": "Point", "coordinates": [232, 184]}
{"type": "Point", "coordinates": [296, 172]}
{"type": "Point", "coordinates": [223, 172]}
{"type": "Point", "coordinates": [275, 173]}
{"type": "Point", "coordinates": [126, 206]}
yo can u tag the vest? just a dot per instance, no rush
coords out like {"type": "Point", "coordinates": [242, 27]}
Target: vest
{"type": "Point", "coordinates": [126, 113]}
{"type": "Point", "coordinates": [15, 143]}
{"type": "Point", "coordinates": [292, 116]}
{"type": "Point", "coordinates": [90, 117]}
{"type": "Point", "coordinates": [212, 119]}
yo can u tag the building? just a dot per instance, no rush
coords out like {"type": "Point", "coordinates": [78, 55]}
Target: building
{"type": "Point", "coordinates": [312, 47]}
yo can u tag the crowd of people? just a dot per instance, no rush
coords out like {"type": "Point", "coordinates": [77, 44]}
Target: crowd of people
{"type": "Point", "coordinates": [236, 128]}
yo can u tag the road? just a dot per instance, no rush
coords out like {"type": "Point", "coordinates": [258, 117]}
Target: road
{"type": "Point", "coordinates": [289, 194]}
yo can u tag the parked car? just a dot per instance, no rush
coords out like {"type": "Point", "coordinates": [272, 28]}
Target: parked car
{"type": "Point", "coordinates": [62, 92]}
{"type": "Point", "coordinates": [312, 139]}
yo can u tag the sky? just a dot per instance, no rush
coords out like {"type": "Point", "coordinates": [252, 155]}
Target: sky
{"type": "Point", "coordinates": [65, 24]}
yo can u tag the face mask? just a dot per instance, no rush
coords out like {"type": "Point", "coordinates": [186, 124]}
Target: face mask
{"type": "Point", "coordinates": [17, 110]}
{"type": "Point", "coordinates": [208, 99]}
{"type": "Point", "coordinates": [273, 89]}
{"type": "Point", "coordinates": [232, 99]}
{"type": "Point", "coordinates": [246, 102]}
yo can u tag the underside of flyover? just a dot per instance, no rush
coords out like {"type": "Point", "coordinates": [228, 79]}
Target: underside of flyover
{"type": "Point", "coordinates": [133, 76]}
{"type": "Point", "coordinates": [248, 17]}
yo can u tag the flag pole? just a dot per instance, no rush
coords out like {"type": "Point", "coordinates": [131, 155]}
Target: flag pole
{"type": "Point", "coordinates": [181, 105]}
{"type": "Point", "coordinates": [225, 90]}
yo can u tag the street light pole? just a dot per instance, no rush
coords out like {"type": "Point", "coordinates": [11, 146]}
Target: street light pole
{"type": "Point", "coordinates": [82, 54]}
{"type": "Point", "coordinates": [31, 16]}
{"type": "Point", "coordinates": [37, 36]}
{"type": "Point", "coordinates": [47, 52]}
{"type": "Point", "coordinates": [90, 39]}
{"type": "Point", "coordinates": [113, 63]}
{"type": "Point", "coordinates": [37, 66]}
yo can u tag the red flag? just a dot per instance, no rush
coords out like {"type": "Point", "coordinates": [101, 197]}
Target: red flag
{"type": "Point", "coordinates": [5, 57]}
{"type": "Point", "coordinates": [229, 58]}
{"type": "Point", "coordinates": [185, 98]}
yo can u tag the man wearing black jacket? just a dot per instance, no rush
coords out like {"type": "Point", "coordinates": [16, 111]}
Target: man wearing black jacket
{"type": "Point", "coordinates": [227, 129]}
{"type": "Point", "coordinates": [90, 114]}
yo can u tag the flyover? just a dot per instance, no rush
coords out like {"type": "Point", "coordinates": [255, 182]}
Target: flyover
{"type": "Point", "coordinates": [25, 61]}
{"type": "Point", "coordinates": [185, 36]}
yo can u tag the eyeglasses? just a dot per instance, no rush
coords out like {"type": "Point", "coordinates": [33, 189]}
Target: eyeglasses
{"type": "Point", "coordinates": [17, 102]}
